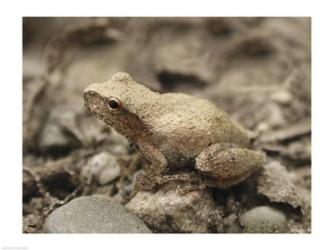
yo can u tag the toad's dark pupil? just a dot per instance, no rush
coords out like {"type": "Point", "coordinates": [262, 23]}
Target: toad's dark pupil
{"type": "Point", "coordinates": [113, 104]}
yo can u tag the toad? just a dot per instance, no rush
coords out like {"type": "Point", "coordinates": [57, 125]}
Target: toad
{"type": "Point", "coordinates": [183, 137]}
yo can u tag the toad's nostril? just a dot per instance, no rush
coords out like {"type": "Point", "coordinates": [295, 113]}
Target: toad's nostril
{"type": "Point", "coordinates": [88, 95]}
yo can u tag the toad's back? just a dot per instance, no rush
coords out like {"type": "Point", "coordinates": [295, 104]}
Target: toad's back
{"type": "Point", "coordinates": [187, 125]}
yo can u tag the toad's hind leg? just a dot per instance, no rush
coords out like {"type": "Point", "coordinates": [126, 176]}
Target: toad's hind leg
{"type": "Point", "coordinates": [225, 165]}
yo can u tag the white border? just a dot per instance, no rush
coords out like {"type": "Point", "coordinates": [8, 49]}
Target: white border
{"type": "Point", "coordinates": [11, 113]}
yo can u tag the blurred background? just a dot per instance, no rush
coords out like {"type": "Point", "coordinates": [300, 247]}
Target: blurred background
{"type": "Point", "coordinates": [257, 69]}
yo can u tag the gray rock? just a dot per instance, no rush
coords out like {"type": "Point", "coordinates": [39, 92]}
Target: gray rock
{"type": "Point", "coordinates": [93, 214]}
{"type": "Point", "coordinates": [183, 54]}
{"type": "Point", "coordinates": [103, 167]}
{"type": "Point", "coordinates": [53, 137]}
{"type": "Point", "coordinates": [120, 145]}
{"type": "Point", "coordinates": [60, 131]}
{"type": "Point", "coordinates": [282, 96]}
{"type": "Point", "coordinates": [231, 224]}
{"type": "Point", "coordinates": [276, 183]}
{"type": "Point", "coordinates": [264, 219]}
{"type": "Point", "coordinates": [171, 211]}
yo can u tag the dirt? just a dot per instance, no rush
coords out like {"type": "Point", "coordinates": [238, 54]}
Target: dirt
{"type": "Point", "coordinates": [257, 69]}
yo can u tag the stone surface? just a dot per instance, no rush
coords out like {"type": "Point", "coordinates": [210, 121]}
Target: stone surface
{"type": "Point", "coordinates": [53, 137]}
{"type": "Point", "coordinates": [231, 224]}
{"type": "Point", "coordinates": [93, 214]}
{"type": "Point", "coordinates": [60, 131]}
{"type": "Point", "coordinates": [103, 167]}
{"type": "Point", "coordinates": [171, 211]}
{"type": "Point", "coordinates": [276, 183]}
{"type": "Point", "coordinates": [263, 219]}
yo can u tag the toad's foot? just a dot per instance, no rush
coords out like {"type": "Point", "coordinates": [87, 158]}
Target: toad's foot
{"type": "Point", "coordinates": [145, 182]}
{"type": "Point", "coordinates": [182, 182]}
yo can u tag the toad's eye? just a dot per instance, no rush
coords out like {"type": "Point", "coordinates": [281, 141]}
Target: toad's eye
{"type": "Point", "coordinates": [114, 104]}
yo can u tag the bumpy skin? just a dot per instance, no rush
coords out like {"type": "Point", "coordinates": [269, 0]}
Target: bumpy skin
{"type": "Point", "coordinates": [175, 132]}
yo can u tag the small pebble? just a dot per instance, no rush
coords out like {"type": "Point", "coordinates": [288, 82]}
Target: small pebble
{"type": "Point", "coordinates": [264, 219]}
{"type": "Point", "coordinates": [231, 224]}
{"type": "Point", "coordinates": [275, 116]}
{"type": "Point", "coordinates": [103, 167]}
{"type": "Point", "coordinates": [282, 97]}
{"type": "Point", "coordinates": [93, 214]}
{"type": "Point", "coordinates": [54, 137]}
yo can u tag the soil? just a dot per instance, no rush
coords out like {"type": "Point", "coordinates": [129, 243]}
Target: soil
{"type": "Point", "coordinates": [257, 69]}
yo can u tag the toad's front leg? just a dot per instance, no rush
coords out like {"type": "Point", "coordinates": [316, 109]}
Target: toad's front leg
{"type": "Point", "coordinates": [155, 174]}
{"type": "Point", "coordinates": [225, 165]}
{"type": "Point", "coordinates": [152, 176]}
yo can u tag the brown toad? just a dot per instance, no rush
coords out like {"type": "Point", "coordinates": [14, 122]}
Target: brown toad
{"type": "Point", "coordinates": [182, 136]}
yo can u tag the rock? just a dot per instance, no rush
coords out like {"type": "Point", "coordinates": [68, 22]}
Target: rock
{"type": "Point", "coordinates": [231, 224]}
{"type": "Point", "coordinates": [103, 167]}
{"type": "Point", "coordinates": [32, 223]}
{"type": "Point", "coordinates": [264, 219]}
{"type": "Point", "coordinates": [274, 115]}
{"type": "Point", "coordinates": [53, 138]}
{"type": "Point", "coordinates": [216, 220]}
{"type": "Point", "coordinates": [183, 55]}
{"type": "Point", "coordinates": [60, 132]}
{"type": "Point", "coordinates": [276, 183]}
{"type": "Point", "coordinates": [93, 214]}
{"type": "Point", "coordinates": [120, 145]}
{"type": "Point", "coordinates": [282, 96]}
{"type": "Point", "coordinates": [299, 151]}
{"type": "Point", "coordinates": [169, 211]}
{"type": "Point", "coordinates": [94, 131]}
{"type": "Point", "coordinates": [119, 149]}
